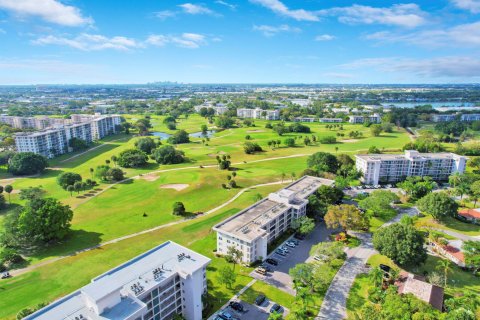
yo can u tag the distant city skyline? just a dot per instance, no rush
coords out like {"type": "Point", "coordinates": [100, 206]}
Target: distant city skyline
{"type": "Point", "coordinates": [226, 41]}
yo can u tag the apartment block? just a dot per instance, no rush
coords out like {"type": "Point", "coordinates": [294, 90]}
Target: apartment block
{"type": "Point", "coordinates": [166, 281]}
{"type": "Point", "coordinates": [252, 229]}
{"type": "Point", "coordinates": [54, 141]}
{"type": "Point", "coordinates": [330, 120]}
{"type": "Point", "coordinates": [384, 168]}
{"type": "Point", "coordinates": [38, 123]}
{"type": "Point", "coordinates": [443, 117]}
{"type": "Point", "coordinates": [374, 118]}
{"type": "Point", "coordinates": [470, 117]}
{"type": "Point", "coordinates": [258, 114]}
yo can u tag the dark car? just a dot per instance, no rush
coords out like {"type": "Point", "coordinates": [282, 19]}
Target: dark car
{"type": "Point", "coordinates": [273, 262]}
{"type": "Point", "coordinates": [260, 299]}
{"type": "Point", "coordinates": [299, 236]}
{"type": "Point", "coordinates": [275, 308]}
{"type": "Point", "coordinates": [236, 306]}
{"type": "Point", "coordinates": [266, 267]}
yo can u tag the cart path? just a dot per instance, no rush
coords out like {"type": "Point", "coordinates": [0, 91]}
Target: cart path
{"type": "Point", "coordinates": [49, 261]}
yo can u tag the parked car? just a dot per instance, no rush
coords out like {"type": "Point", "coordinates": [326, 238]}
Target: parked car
{"type": "Point", "coordinates": [225, 315]}
{"type": "Point", "coordinates": [296, 242]}
{"type": "Point", "coordinates": [6, 275]}
{"type": "Point", "coordinates": [275, 308]}
{"type": "Point", "coordinates": [271, 261]}
{"type": "Point", "coordinates": [284, 248]}
{"type": "Point", "coordinates": [236, 306]}
{"type": "Point", "coordinates": [290, 244]}
{"type": "Point", "coordinates": [280, 252]}
{"type": "Point", "coordinates": [266, 267]}
{"type": "Point", "coordinates": [261, 270]}
{"type": "Point", "coordinates": [260, 299]}
{"type": "Point", "coordinates": [299, 236]}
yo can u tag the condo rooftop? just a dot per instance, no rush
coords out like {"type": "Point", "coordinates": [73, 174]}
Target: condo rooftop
{"type": "Point", "coordinates": [125, 282]}
{"type": "Point", "coordinates": [247, 223]}
{"type": "Point", "coordinates": [417, 156]}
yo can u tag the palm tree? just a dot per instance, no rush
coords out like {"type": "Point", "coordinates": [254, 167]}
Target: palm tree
{"type": "Point", "coordinates": [91, 172]}
{"type": "Point", "coordinates": [455, 179]}
{"type": "Point", "coordinates": [445, 266]}
{"type": "Point", "coordinates": [293, 175]}
{"type": "Point", "coordinates": [283, 176]}
{"type": "Point", "coordinates": [336, 149]}
{"type": "Point", "coordinates": [376, 276]}
{"type": "Point", "coordinates": [114, 159]}
{"type": "Point", "coordinates": [8, 189]}
{"type": "Point", "coordinates": [70, 189]}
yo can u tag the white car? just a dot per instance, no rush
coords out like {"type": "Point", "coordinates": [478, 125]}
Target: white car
{"type": "Point", "coordinates": [290, 244]}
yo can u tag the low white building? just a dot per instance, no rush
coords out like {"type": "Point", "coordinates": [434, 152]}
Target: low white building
{"type": "Point", "coordinates": [166, 281]}
{"type": "Point", "coordinates": [384, 168]}
{"type": "Point", "coordinates": [374, 118]}
{"type": "Point", "coordinates": [253, 228]}
{"type": "Point", "coordinates": [443, 117]}
{"type": "Point", "coordinates": [470, 117]}
{"type": "Point", "coordinates": [330, 120]}
{"type": "Point", "coordinates": [258, 113]}
{"type": "Point", "coordinates": [304, 119]}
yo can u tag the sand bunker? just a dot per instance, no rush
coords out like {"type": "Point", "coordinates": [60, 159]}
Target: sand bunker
{"type": "Point", "coordinates": [150, 177]}
{"type": "Point", "coordinates": [252, 131]}
{"type": "Point", "coordinates": [349, 140]}
{"type": "Point", "coordinates": [176, 186]}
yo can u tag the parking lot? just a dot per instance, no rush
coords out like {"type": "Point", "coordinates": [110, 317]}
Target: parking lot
{"type": "Point", "coordinates": [279, 276]}
{"type": "Point", "coordinates": [251, 311]}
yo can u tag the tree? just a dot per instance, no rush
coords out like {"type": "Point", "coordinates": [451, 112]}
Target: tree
{"type": "Point", "coordinates": [91, 172]}
{"type": "Point", "coordinates": [439, 205]}
{"type": "Point", "coordinates": [445, 266]}
{"type": "Point", "coordinates": [347, 217]}
{"type": "Point", "coordinates": [226, 276]}
{"type": "Point", "coordinates": [70, 189]}
{"type": "Point", "coordinates": [102, 172]}
{"type": "Point", "coordinates": [31, 193]}
{"type": "Point", "coordinates": [77, 144]}
{"type": "Point", "coordinates": [376, 129]}
{"type": "Point", "coordinates": [401, 243]}
{"type": "Point", "coordinates": [303, 225]}
{"type": "Point", "coordinates": [224, 122]}
{"type": "Point", "coordinates": [66, 179]}
{"type": "Point", "coordinates": [2, 201]}
{"type": "Point", "coordinates": [471, 251]}
{"type": "Point", "coordinates": [8, 189]}
{"type": "Point", "coordinates": [379, 202]}
{"type": "Point", "coordinates": [168, 155]}
{"type": "Point", "coordinates": [328, 250]}
{"type": "Point", "coordinates": [275, 316]}
{"type": "Point", "coordinates": [251, 147]}
{"type": "Point", "coordinates": [181, 136]}
{"type": "Point", "coordinates": [146, 145]}
{"type": "Point", "coordinates": [114, 159]}
{"type": "Point", "coordinates": [289, 142]}
{"type": "Point", "coordinates": [417, 187]}
{"type": "Point", "coordinates": [234, 255]}
{"type": "Point", "coordinates": [323, 162]}
{"type": "Point", "coordinates": [327, 140]}
{"type": "Point", "coordinates": [77, 186]}
{"type": "Point", "coordinates": [44, 220]}
{"type": "Point", "coordinates": [179, 209]}
{"type": "Point", "coordinates": [302, 275]}
{"type": "Point", "coordinates": [24, 163]}
{"type": "Point", "coordinates": [376, 276]}
{"type": "Point", "coordinates": [132, 158]}
{"type": "Point", "coordinates": [373, 150]}
{"type": "Point", "coordinates": [115, 174]}
{"type": "Point", "coordinates": [204, 129]}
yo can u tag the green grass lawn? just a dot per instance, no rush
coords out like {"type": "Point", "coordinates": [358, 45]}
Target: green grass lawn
{"type": "Point", "coordinates": [451, 224]}
{"type": "Point", "coordinates": [57, 279]}
{"type": "Point", "coordinates": [118, 210]}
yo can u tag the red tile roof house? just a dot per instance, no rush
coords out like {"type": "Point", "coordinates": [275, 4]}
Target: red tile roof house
{"type": "Point", "coordinates": [416, 285]}
{"type": "Point", "coordinates": [452, 251]}
{"type": "Point", "coordinates": [471, 215]}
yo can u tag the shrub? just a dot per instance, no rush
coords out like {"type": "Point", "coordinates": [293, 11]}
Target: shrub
{"type": "Point", "coordinates": [115, 174]}
{"type": "Point", "coordinates": [132, 158]}
{"type": "Point", "coordinates": [251, 147]}
{"type": "Point", "coordinates": [289, 142]}
{"type": "Point", "coordinates": [179, 137]}
{"type": "Point", "coordinates": [168, 155]}
{"type": "Point", "coordinates": [66, 179]}
{"type": "Point", "coordinates": [179, 209]}
{"type": "Point", "coordinates": [328, 140]}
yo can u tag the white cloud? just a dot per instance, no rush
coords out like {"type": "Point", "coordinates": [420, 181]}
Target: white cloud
{"type": "Point", "coordinates": [185, 40]}
{"type": "Point", "coordinates": [402, 15]}
{"type": "Point", "coordinates": [464, 34]}
{"type": "Point", "coordinates": [90, 42]}
{"type": "Point", "coordinates": [191, 8]}
{"type": "Point", "coordinates": [49, 10]}
{"type": "Point", "coordinates": [2, 31]}
{"type": "Point", "coordinates": [165, 14]}
{"type": "Point", "coordinates": [270, 31]}
{"type": "Point", "coordinates": [442, 67]}
{"type": "Point", "coordinates": [470, 5]}
{"type": "Point", "coordinates": [281, 9]}
{"type": "Point", "coordinates": [324, 37]}
{"type": "Point", "coordinates": [226, 4]}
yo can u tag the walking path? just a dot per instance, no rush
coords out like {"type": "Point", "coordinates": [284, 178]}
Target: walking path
{"type": "Point", "coordinates": [49, 261]}
{"type": "Point", "coordinates": [457, 235]}
{"type": "Point", "coordinates": [334, 306]}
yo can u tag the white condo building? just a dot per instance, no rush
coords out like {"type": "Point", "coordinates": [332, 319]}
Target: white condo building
{"type": "Point", "coordinates": [383, 168]}
{"type": "Point", "coordinates": [55, 140]}
{"type": "Point", "coordinates": [374, 118]}
{"type": "Point", "coordinates": [258, 114]}
{"type": "Point", "coordinates": [253, 228]}
{"type": "Point", "coordinates": [470, 117]}
{"type": "Point", "coordinates": [330, 120]}
{"type": "Point", "coordinates": [158, 284]}
{"type": "Point", "coordinates": [443, 117]}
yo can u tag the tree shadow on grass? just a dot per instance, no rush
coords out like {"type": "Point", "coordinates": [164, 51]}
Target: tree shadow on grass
{"type": "Point", "coordinates": [77, 240]}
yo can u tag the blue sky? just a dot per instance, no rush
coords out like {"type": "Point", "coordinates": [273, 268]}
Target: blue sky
{"type": "Point", "coordinates": [255, 41]}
